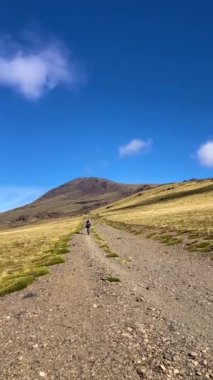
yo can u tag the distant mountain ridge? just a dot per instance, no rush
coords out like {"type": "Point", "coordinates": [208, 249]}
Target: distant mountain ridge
{"type": "Point", "coordinates": [88, 186]}
{"type": "Point", "coordinates": [75, 197]}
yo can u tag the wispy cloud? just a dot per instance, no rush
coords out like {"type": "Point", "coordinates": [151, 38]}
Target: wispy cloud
{"type": "Point", "coordinates": [15, 196]}
{"type": "Point", "coordinates": [134, 147]}
{"type": "Point", "coordinates": [205, 154]}
{"type": "Point", "coordinates": [34, 68]}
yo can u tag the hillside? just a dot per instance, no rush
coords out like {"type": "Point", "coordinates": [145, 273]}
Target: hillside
{"type": "Point", "coordinates": [76, 197]}
{"type": "Point", "coordinates": [172, 213]}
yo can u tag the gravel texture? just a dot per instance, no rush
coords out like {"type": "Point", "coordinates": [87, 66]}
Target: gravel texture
{"type": "Point", "coordinates": [156, 323]}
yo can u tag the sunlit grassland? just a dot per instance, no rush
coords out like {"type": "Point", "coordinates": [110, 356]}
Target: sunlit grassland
{"type": "Point", "coordinates": [26, 253]}
{"type": "Point", "coordinates": [172, 213]}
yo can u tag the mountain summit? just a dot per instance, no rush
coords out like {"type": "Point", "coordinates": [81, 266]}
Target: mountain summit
{"type": "Point", "coordinates": [72, 198]}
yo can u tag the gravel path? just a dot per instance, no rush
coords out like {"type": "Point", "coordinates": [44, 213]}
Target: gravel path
{"type": "Point", "coordinates": [178, 282]}
{"type": "Point", "coordinates": [73, 324]}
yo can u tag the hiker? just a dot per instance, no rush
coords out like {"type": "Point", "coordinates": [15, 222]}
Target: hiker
{"type": "Point", "coordinates": [88, 225]}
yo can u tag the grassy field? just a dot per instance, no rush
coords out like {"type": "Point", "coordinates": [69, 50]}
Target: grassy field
{"type": "Point", "coordinates": [172, 213]}
{"type": "Point", "coordinates": [26, 253]}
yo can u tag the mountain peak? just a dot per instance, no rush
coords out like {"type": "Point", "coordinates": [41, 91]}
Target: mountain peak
{"type": "Point", "coordinates": [75, 197]}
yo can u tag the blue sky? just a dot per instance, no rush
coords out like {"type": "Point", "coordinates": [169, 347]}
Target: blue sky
{"type": "Point", "coordinates": [121, 90]}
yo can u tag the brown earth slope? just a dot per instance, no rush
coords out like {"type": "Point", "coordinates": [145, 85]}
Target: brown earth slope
{"type": "Point", "coordinates": [73, 198]}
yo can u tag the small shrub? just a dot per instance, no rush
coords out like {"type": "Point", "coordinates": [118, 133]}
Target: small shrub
{"type": "Point", "coordinates": [113, 279]}
{"type": "Point", "coordinates": [112, 255]}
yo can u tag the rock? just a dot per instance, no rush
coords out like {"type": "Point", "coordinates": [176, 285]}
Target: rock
{"type": "Point", "coordinates": [192, 355]}
{"type": "Point", "coordinates": [42, 374]}
{"type": "Point", "coordinates": [168, 356]}
{"type": "Point", "coordinates": [29, 295]}
{"type": "Point", "coordinates": [127, 335]}
{"type": "Point", "coordinates": [139, 299]}
{"type": "Point", "coordinates": [163, 368]}
{"type": "Point", "coordinates": [141, 372]}
{"type": "Point", "coordinates": [176, 371]}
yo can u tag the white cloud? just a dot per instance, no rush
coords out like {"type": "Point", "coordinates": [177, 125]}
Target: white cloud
{"type": "Point", "coordinates": [205, 154]}
{"type": "Point", "coordinates": [33, 69]}
{"type": "Point", "coordinates": [16, 196]}
{"type": "Point", "coordinates": [134, 147]}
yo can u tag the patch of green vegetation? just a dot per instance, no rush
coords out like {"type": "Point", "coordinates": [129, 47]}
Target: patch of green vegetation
{"type": "Point", "coordinates": [194, 235]}
{"type": "Point", "coordinates": [112, 254]}
{"type": "Point", "coordinates": [54, 259]}
{"type": "Point", "coordinates": [169, 240]}
{"type": "Point", "coordinates": [113, 279]}
{"type": "Point", "coordinates": [61, 246]}
{"type": "Point", "coordinates": [204, 246]}
{"type": "Point", "coordinates": [40, 271]}
{"type": "Point", "coordinates": [18, 284]}
{"type": "Point", "coordinates": [35, 272]}
{"type": "Point", "coordinates": [152, 235]}
{"type": "Point", "coordinates": [209, 237]}
{"type": "Point", "coordinates": [103, 244]}
{"type": "Point", "coordinates": [61, 249]}
{"type": "Point", "coordinates": [173, 241]}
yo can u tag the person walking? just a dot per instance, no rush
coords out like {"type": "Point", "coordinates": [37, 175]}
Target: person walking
{"type": "Point", "coordinates": [88, 225]}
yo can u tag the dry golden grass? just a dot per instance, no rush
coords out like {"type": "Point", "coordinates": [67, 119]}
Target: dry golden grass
{"type": "Point", "coordinates": [181, 208]}
{"type": "Point", "coordinates": [26, 252]}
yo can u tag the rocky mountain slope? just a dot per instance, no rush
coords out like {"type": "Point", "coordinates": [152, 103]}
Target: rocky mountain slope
{"type": "Point", "coordinates": [73, 198]}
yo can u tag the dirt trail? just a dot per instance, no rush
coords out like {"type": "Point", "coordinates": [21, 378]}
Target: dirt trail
{"type": "Point", "coordinates": [178, 282]}
{"type": "Point", "coordinates": [73, 324]}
